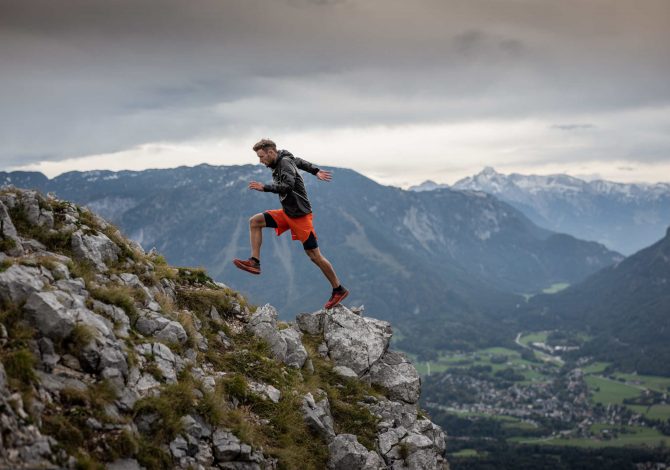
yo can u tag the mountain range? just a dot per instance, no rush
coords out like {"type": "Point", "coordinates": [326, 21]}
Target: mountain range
{"type": "Point", "coordinates": [624, 309]}
{"type": "Point", "coordinates": [623, 217]}
{"type": "Point", "coordinates": [454, 256]}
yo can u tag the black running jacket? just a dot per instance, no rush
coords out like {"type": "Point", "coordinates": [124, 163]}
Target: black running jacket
{"type": "Point", "coordinates": [288, 183]}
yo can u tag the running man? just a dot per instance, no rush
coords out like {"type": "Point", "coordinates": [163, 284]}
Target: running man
{"type": "Point", "coordinates": [295, 214]}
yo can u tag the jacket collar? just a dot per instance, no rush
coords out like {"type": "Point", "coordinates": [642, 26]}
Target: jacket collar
{"type": "Point", "coordinates": [280, 154]}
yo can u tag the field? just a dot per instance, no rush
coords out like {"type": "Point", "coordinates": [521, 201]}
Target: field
{"type": "Point", "coordinates": [554, 288]}
{"type": "Point", "coordinates": [610, 391]}
{"type": "Point", "coordinates": [624, 436]}
{"type": "Point", "coordinates": [497, 358]}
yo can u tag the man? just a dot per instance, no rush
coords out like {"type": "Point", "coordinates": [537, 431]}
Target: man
{"type": "Point", "coordinates": [295, 214]}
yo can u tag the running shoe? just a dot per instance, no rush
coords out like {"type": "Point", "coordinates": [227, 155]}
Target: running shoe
{"type": "Point", "coordinates": [336, 298]}
{"type": "Point", "coordinates": [248, 265]}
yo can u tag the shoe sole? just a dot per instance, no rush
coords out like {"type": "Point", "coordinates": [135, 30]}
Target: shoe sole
{"type": "Point", "coordinates": [339, 301]}
{"type": "Point", "coordinates": [246, 268]}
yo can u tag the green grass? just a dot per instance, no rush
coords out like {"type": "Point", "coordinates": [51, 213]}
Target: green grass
{"type": "Point", "coordinates": [537, 337]}
{"type": "Point", "coordinates": [483, 357]}
{"type": "Point", "coordinates": [554, 288]}
{"type": "Point", "coordinates": [609, 391]}
{"type": "Point", "coordinates": [638, 436]}
{"type": "Point", "coordinates": [466, 453]}
{"type": "Point", "coordinates": [658, 384]}
{"type": "Point", "coordinates": [661, 412]}
{"type": "Point", "coordinates": [596, 367]}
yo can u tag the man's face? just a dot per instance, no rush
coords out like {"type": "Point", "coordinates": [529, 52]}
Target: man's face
{"type": "Point", "coordinates": [267, 156]}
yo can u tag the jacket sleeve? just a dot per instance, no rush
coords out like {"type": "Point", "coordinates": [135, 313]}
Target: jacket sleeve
{"type": "Point", "coordinates": [286, 179]}
{"type": "Point", "coordinates": [304, 165]}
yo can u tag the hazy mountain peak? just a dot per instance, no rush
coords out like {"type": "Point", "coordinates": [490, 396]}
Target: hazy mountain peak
{"type": "Point", "coordinates": [428, 185]}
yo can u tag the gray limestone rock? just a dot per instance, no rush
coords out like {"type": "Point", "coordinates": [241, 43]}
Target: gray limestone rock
{"type": "Point", "coordinates": [166, 362]}
{"type": "Point", "coordinates": [49, 316]}
{"type": "Point", "coordinates": [263, 324]}
{"type": "Point", "coordinates": [344, 371]}
{"type": "Point", "coordinates": [214, 314]}
{"type": "Point", "coordinates": [396, 374]}
{"type": "Point", "coordinates": [346, 453]}
{"type": "Point", "coordinates": [124, 464]}
{"type": "Point", "coordinates": [226, 446]}
{"type": "Point", "coordinates": [172, 332]}
{"type": "Point", "coordinates": [353, 341]}
{"type": "Point", "coordinates": [394, 414]}
{"type": "Point", "coordinates": [8, 231]}
{"type": "Point", "coordinates": [18, 282]}
{"type": "Point", "coordinates": [265, 390]}
{"type": "Point", "coordinates": [296, 354]}
{"type": "Point", "coordinates": [317, 416]}
{"type": "Point", "coordinates": [311, 323]}
{"type": "Point", "coordinates": [97, 249]}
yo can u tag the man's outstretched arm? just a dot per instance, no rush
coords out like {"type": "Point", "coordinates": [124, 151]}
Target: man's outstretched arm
{"type": "Point", "coordinates": [323, 175]}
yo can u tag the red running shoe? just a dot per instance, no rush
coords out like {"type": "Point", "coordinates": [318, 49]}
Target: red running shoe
{"type": "Point", "coordinates": [248, 265]}
{"type": "Point", "coordinates": [336, 298]}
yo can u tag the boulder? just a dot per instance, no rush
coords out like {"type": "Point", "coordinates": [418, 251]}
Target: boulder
{"type": "Point", "coordinates": [285, 344]}
{"type": "Point", "coordinates": [346, 453]}
{"type": "Point", "coordinates": [317, 416]}
{"type": "Point", "coordinates": [296, 354]}
{"type": "Point", "coordinates": [173, 332]}
{"type": "Point", "coordinates": [8, 232]}
{"type": "Point", "coordinates": [166, 361]}
{"type": "Point", "coordinates": [344, 371]}
{"type": "Point", "coordinates": [263, 324]}
{"type": "Point", "coordinates": [49, 316]}
{"type": "Point", "coordinates": [97, 249]}
{"type": "Point", "coordinates": [396, 374]}
{"type": "Point", "coordinates": [353, 341]}
{"type": "Point", "coordinates": [18, 282]}
{"type": "Point", "coordinates": [124, 464]}
{"type": "Point", "coordinates": [266, 391]}
{"type": "Point", "coordinates": [227, 447]}
{"type": "Point", "coordinates": [311, 323]}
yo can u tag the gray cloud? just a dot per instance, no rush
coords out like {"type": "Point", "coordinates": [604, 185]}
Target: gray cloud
{"type": "Point", "coordinates": [573, 127]}
{"type": "Point", "coordinates": [92, 76]}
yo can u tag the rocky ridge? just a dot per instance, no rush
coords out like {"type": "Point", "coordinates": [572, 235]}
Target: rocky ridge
{"type": "Point", "coordinates": [110, 358]}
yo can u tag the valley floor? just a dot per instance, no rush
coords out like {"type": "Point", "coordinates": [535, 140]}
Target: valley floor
{"type": "Point", "coordinates": [532, 396]}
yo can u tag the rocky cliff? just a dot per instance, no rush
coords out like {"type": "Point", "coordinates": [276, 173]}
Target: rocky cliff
{"type": "Point", "coordinates": [110, 358]}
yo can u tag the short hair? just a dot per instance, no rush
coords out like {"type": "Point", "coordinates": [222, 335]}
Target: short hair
{"type": "Point", "coordinates": [264, 144]}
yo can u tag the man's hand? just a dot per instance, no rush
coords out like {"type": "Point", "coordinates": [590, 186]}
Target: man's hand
{"type": "Point", "coordinates": [324, 175]}
{"type": "Point", "coordinates": [256, 185]}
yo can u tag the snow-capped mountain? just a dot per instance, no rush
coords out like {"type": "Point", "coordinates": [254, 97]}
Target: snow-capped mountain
{"type": "Point", "coordinates": [428, 185]}
{"type": "Point", "coordinates": [624, 217]}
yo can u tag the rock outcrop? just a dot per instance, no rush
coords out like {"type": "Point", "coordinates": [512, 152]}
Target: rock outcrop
{"type": "Point", "coordinates": [358, 346]}
{"type": "Point", "coordinates": [110, 357]}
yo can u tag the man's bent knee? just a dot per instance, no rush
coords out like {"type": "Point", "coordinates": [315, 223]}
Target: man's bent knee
{"type": "Point", "coordinates": [257, 221]}
{"type": "Point", "coordinates": [314, 255]}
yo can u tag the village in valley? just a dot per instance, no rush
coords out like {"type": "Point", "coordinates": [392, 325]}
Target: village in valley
{"type": "Point", "coordinates": [539, 394]}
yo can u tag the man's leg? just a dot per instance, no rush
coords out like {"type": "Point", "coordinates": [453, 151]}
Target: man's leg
{"type": "Point", "coordinates": [253, 264]}
{"type": "Point", "coordinates": [325, 266]}
{"type": "Point", "coordinates": [256, 225]}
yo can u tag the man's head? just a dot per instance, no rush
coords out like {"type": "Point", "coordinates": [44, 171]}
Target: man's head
{"type": "Point", "coordinates": [266, 151]}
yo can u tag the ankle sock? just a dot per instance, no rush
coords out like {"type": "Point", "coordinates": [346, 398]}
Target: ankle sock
{"type": "Point", "coordinates": [338, 288]}
{"type": "Point", "coordinates": [256, 260]}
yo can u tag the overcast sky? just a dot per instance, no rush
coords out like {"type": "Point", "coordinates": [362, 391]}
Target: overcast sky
{"type": "Point", "coordinates": [401, 91]}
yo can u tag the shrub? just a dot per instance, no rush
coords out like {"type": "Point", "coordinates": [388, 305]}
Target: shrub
{"type": "Point", "coordinates": [193, 276]}
{"type": "Point", "coordinates": [174, 401]}
{"type": "Point", "coordinates": [20, 365]}
{"type": "Point", "coordinates": [202, 300]}
{"type": "Point", "coordinates": [121, 296]}
{"type": "Point", "coordinates": [6, 243]}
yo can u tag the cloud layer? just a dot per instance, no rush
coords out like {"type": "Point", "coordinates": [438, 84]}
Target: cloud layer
{"type": "Point", "coordinates": [86, 77]}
